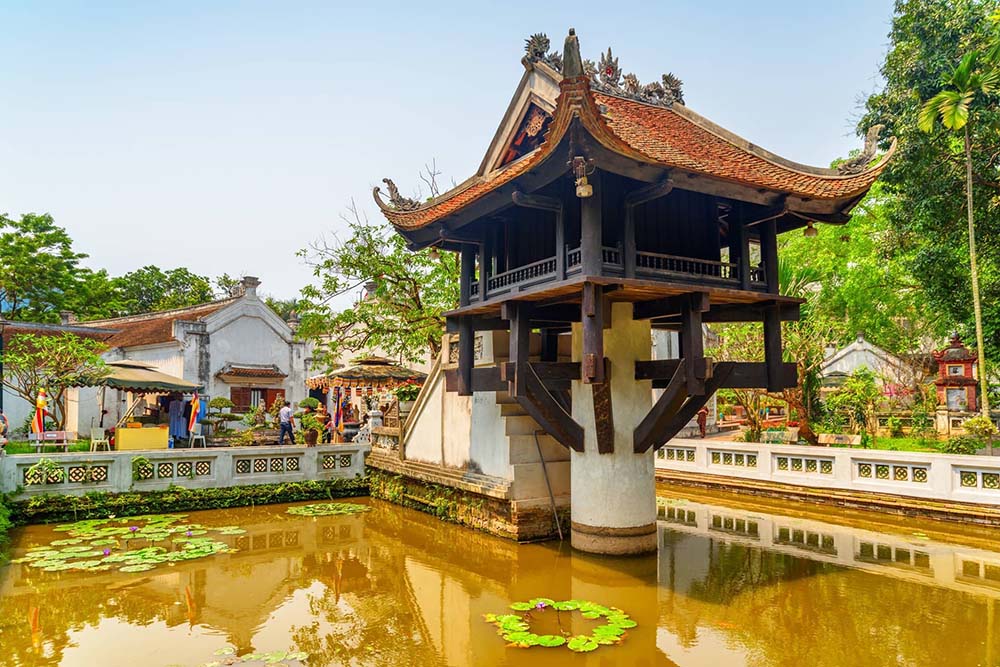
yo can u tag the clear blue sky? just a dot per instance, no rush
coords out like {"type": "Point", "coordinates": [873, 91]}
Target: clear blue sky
{"type": "Point", "coordinates": [225, 137]}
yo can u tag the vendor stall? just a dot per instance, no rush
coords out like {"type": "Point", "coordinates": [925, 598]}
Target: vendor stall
{"type": "Point", "coordinates": [139, 380]}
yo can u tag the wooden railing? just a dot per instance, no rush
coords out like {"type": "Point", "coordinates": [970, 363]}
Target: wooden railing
{"type": "Point", "coordinates": [647, 264]}
{"type": "Point", "coordinates": [654, 262]}
{"type": "Point", "coordinates": [529, 273]}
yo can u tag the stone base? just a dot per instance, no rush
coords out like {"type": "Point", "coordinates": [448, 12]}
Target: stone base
{"type": "Point", "coordinates": [614, 541]}
{"type": "Point", "coordinates": [455, 497]}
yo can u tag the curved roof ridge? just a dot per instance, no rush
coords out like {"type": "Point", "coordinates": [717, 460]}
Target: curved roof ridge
{"type": "Point", "coordinates": [155, 314]}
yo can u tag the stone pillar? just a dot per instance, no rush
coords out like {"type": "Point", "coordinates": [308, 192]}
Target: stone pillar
{"type": "Point", "coordinates": [614, 495]}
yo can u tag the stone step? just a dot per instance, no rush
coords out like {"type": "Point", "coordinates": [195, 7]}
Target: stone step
{"type": "Point", "coordinates": [519, 424]}
{"type": "Point", "coordinates": [511, 410]}
{"type": "Point", "coordinates": [529, 480]}
{"type": "Point", "coordinates": [523, 449]}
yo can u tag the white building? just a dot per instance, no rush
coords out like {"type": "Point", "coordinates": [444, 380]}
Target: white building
{"type": "Point", "coordinates": [236, 347]}
{"type": "Point", "coordinates": [887, 367]}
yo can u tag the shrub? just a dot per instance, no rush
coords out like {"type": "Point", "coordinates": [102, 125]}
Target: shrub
{"type": "Point", "coordinates": [961, 444]}
{"type": "Point", "coordinates": [408, 391]}
{"type": "Point", "coordinates": [221, 403]}
{"type": "Point", "coordinates": [981, 428]}
{"type": "Point", "coordinates": [895, 426]}
{"type": "Point", "coordinates": [309, 402]}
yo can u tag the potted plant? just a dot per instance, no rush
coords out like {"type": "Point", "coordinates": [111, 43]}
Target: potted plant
{"type": "Point", "coordinates": [311, 427]}
{"type": "Point", "coordinates": [406, 396]}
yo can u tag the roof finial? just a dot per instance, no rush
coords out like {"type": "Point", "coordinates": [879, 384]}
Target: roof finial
{"type": "Point", "coordinates": [572, 62]}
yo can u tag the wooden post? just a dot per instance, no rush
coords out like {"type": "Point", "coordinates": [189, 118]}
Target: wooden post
{"type": "Point", "coordinates": [628, 252]}
{"type": "Point", "coordinates": [485, 258]}
{"type": "Point", "coordinates": [769, 253]}
{"type": "Point", "coordinates": [550, 345]}
{"type": "Point", "coordinates": [591, 237]}
{"type": "Point", "coordinates": [772, 347]}
{"type": "Point", "coordinates": [468, 269]}
{"type": "Point", "coordinates": [466, 347]}
{"type": "Point", "coordinates": [560, 245]}
{"type": "Point", "coordinates": [693, 346]}
{"type": "Point", "coordinates": [519, 315]}
{"type": "Point", "coordinates": [739, 248]}
{"type": "Point", "coordinates": [592, 312]}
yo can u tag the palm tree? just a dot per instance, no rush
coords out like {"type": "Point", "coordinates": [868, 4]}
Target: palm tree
{"type": "Point", "coordinates": [959, 90]}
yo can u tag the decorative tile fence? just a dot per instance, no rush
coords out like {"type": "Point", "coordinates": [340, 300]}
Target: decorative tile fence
{"type": "Point", "coordinates": [82, 472]}
{"type": "Point", "coordinates": [973, 479]}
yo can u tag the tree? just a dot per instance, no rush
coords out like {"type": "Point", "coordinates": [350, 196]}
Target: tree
{"type": "Point", "coordinates": [150, 289]}
{"type": "Point", "coordinates": [38, 268]}
{"type": "Point", "coordinates": [402, 310]}
{"type": "Point", "coordinates": [953, 105]}
{"type": "Point", "coordinates": [857, 400]}
{"type": "Point", "coordinates": [54, 363]}
{"type": "Point", "coordinates": [926, 181]}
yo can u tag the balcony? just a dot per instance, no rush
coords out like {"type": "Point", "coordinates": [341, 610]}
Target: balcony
{"type": "Point", "coordinates": [648, 266]}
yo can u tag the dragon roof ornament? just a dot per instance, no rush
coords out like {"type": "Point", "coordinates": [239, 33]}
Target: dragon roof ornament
{"type": "Point", "coordinates": [859, 162]}
{"type": "Point", "coordinates": [606, 75]}
{"type": "Point", "coordinates": [396, 200]}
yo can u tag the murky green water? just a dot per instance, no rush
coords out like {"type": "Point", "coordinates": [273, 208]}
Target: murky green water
{"type": "Point", "coordinates": [736, 582]}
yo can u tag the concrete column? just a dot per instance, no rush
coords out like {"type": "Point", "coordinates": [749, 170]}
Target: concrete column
{"type": "Point", "coordinates": [614, 495]}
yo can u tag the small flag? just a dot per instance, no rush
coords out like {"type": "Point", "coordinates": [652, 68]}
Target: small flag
{"type": "Point", "coordinates": [38, 423]}
{"type": "Point", "coordinates": [195, 408]}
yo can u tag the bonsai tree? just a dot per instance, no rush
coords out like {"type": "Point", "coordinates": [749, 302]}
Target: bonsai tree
{"type": "Point", "coordinates": [218, 417]}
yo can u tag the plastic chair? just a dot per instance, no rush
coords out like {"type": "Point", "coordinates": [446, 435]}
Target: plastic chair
{"type": "Point", "coordinates": [97, 438]}
{"type": "Point", "coordinates": [196, 436]}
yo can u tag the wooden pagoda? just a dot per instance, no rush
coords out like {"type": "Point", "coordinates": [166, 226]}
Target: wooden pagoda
{"type": "Point", "coordinates": [617, 192]}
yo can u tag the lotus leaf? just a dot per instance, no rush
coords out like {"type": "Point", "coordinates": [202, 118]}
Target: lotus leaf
{"type": "Point", "coordinates": [516, 629]}
{"type": "Point", "coordinates": [140, 567]}
{"type": "Point", "coordinates": [582, 644]}
{"type": "Point", "coordinates": [72, 540]}
{"type": "Point", "coordinates": [327, 509]}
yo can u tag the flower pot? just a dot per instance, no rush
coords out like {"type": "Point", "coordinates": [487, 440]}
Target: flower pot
{"type": "Point", "coordinates": [405, 408]}
{"type": "Point", "coordinates": [311, 437]}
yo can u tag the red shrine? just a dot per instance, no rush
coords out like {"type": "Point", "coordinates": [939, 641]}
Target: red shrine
{"type": "Point", "coordinates": [956, 382]}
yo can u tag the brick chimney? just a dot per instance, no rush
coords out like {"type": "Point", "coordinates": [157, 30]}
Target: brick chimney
{"type": "Point", "coordinates": [249, 285]}
{"type": "Point", "coordinates": [67, 317]}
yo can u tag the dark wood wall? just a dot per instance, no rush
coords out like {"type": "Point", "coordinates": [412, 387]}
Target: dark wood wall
{"type": "Point", "coordinates": [682, 223]}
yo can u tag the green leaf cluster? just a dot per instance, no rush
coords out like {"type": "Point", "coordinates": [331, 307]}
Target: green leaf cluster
{"type": "Point", "coordinates": [516, 629]}
{"type": "Point", "coordinates": [327, 509]}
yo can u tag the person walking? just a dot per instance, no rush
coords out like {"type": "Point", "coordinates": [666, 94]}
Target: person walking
{"type": "Point", "coordinates": [285, 424]}
{"type": "Point", "coordinates": [702, 420]}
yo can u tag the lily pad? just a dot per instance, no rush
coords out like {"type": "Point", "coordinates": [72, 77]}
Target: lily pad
{"type": "Point", "coordinates": [582, 644]}
{"type": "Point", "coordinates": [516, 628]}
{"type": "Point", "coordinates": [139, 567]}
{"type": "Point", "coordinates": [327, 509]}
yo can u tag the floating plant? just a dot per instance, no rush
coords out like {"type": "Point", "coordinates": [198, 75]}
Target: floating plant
{"type": "Point", "coordinates": [327, 509]}
{"type": "Point", "coordinates": [136, 544]}
{"type": "Point", "coordinates": [516, 628]}
{"type": "Point", "coordinates": [227, 656]}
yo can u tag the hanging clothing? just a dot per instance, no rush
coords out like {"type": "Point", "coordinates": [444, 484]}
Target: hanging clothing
{"type": "Point", "coordinates": [178, 424]}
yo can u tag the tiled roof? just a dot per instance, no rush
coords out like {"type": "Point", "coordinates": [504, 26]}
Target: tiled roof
{"type": "Point", "coordinates": [153, 328]}
{"type": "Point", "coordinates": [251, 371]}
{"type": "Point", "coordinates": [12, 330]}
{"type": "Point", "coordinates": [667, 137]}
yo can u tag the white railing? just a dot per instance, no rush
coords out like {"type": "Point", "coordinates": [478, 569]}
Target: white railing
{"type": "Point", "coordinates": [972, 479]}
{"type": "Point", "coordinates": [83, 472]}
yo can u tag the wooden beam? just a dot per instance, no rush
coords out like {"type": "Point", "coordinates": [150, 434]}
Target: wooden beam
{"type": "Point", "coordinates": [692, 345]}
{"type": "Point", "coordinates": [592, 314]}
{"type": "Point", "coordinates": [549, 413]}
{"type": "Point", "coordinates": [693, 404]}
{"type": "Point", "coordinates": [604, 419]}
{"type": "Point", "coordinates": [518, 312]}
{"type": "Point", "coordinates": [769, 254]}
{"type": "Point", "coordinates": [591, 239]}
{"type": "Point", "coordinates": [562, 312]}
{"type": "Point", "coordinates": [647, 432]}
{"type": "Point", "coordinates": [466, 352]}
{"type": "Point", "coordinates": [743, 375]}
{"type": "Point", "coordinates": [772, 348]}
{"type": "Point", "coordinates": [546, 371]}
{"type": "Point", "coordinates": [540, 202]}
{"type": "Point", "coordinates": [550, 346]}
{"type": "Point", "coordinates": [467, 270]}
{"type": "Point", "coordinates": [477, 323]}
{"type": "Point", "coordinates": [670, 305]}
{"type": "Point", "coordinates": [738, 312]}
{"type": "Point", "coordinates": [489, 378]}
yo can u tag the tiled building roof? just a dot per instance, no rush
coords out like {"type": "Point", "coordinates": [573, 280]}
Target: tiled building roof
{"type": "Point", "coordinates": [271, 372]}
{"type": "Point", "coordinates": [153, 328]}
{"type": "Point", "coordinates": [12, 330]}
{"type": "Point", "coordinates": [657, 135]}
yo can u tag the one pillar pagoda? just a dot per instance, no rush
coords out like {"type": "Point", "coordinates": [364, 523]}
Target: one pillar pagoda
{"type": "Point", "coordinates": [605, 209]}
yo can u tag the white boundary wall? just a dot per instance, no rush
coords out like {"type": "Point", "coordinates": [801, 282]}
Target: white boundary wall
{"type": "Point", "coordinates": [969, 479]}
{"type": "Point", "coordinates": [112, 472]}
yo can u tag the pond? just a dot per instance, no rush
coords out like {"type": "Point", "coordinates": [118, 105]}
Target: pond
{"type": "Point", "coordinates": [737, 581]}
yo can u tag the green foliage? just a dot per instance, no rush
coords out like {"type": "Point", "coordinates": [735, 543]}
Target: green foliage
{"type": "Point", "coordinates": [962, 444]}
{"type": "Point", "coordinates": [54, 363]}
{"type": "Point", "coordinates": [857, 401]}
{"type": "Point", "coordinates": [408, 391]}
{"type": "Point", "coordinates": [895, 426]}
{"type": "Point", "coordinates": [309, 402]}
{"type": "Point", "coordinates": [403, 316]}
{"type": "Point", "coordinates": [925, 181]}
{"type": "Point", "coordinates": [516, 628]}
{"type": "Point", "coordinates": [980, 427]}
{"type": "Point", "coordinates": [38, 268]}
{"type": "Point", "coordinates": [221, 403]}
{"type": "Point", "coordinates": [150, 288]}
{"type": "Point", "coordinates": [45, 471]}
{"type": "Point", "coordinates": [327, 509]}
{"type": "Point", "coordinates": [5, 522]}
{"type": "Point", "coordinates": [47, 508]}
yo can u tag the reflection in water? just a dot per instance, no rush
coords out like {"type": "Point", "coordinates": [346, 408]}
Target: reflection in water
{"type": "Point", "coordinates": [730, 586]}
